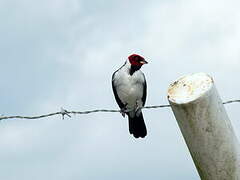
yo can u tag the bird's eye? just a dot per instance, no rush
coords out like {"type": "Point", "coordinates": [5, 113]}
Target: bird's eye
{"type": "Point", "coordinates": [137, 58]}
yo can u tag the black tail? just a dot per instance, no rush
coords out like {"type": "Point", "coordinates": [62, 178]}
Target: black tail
{"type": "Point", "coordinates": [137, 126]}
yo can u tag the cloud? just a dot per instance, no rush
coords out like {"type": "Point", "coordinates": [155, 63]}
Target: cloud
{"type": "Point", "coordinates": [63, 53]}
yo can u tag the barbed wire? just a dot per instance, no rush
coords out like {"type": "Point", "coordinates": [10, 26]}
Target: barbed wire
{"type": "Point", "coordinates": [64, 112]}
{"type": "Point", "coordinates": [231, 101]}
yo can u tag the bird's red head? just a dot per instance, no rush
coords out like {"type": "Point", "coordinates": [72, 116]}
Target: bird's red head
{"type": "Point", "coordinates": [136, 60]}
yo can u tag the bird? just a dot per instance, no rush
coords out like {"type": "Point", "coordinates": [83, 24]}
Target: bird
{"type": "Point", "coordinates": [130, 91]}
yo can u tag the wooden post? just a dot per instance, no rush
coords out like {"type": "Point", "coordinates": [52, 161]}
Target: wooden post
{"type": "Point", "coordinates": [206, 127]}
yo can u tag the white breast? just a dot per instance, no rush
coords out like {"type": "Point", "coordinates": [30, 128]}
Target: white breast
{"type": "Point", "coordinates": [129, 88]}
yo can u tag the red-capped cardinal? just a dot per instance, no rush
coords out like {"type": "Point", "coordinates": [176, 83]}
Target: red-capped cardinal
{"type": "Point", "coordinates": [130, 91]}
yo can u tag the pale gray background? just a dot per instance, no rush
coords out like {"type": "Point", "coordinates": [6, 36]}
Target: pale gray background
{"type": "Point", "coordinates": [61, 53]}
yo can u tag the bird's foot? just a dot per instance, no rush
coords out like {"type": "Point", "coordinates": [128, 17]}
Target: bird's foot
{"type": "Point", "coordinates": [123, 113]}
{"type": "Point", "coordinates": [123, 110]}
{"type": "Point", "coordinates": [138, 108]}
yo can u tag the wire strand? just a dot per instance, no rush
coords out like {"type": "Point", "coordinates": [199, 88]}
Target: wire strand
{"type": "Point", "coordinates": [64, 112]}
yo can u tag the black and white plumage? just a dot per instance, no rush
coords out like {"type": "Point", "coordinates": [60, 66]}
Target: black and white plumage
{"type": "Point", "coordinates": [130, 91]}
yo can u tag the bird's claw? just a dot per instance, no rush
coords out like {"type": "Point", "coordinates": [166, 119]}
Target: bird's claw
{"type": "Point", "coordinates": [123, 110]}
{"type": "Point", "coordinates": [123, 113]}
{"type": "Point", "coordinates": [138, 109]}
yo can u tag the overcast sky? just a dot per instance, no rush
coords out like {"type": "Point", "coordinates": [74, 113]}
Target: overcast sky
{"type": "Point", "coordinates": [62, 53]}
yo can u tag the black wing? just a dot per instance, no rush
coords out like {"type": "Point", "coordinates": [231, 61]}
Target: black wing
{"type": "Point", "coordinates": [144, 92]}
{"type": "Point", "coordinates": [120, 104]}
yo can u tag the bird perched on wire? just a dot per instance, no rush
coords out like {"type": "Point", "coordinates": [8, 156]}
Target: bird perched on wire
{"type": "Point", "coordinates": [130, 91]}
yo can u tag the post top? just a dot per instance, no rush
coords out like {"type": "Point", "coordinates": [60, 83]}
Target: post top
{"type": "Point", "coordinates": [188, 88]}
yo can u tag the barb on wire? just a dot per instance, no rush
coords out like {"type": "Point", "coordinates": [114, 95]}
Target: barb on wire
{"type": "Point", "coordinates": [64, 112]}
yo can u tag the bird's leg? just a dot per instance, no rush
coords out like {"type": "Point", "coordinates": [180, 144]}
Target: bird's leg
{"type": "Point", "coordinates": [123, 110]}
{"type": "Point", "coordinates": [139, 106]}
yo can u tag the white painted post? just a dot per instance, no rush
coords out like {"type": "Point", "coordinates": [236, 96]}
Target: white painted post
{"type": "Point", "coordinates": [206, 127]}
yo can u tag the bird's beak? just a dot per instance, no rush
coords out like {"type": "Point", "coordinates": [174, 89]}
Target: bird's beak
{"type": "Point", "coordinates": [143, 62]}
